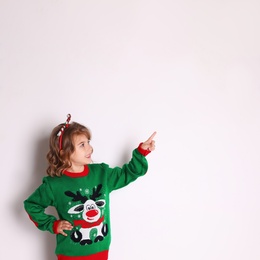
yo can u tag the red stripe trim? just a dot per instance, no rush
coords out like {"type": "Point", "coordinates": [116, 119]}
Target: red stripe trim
{"type": "Point", "coordinates": [35, 223]}
{"type": "Point", "coordinates": [99, 256]}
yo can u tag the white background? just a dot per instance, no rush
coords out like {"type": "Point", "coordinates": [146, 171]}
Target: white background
{"type": "Point", "coordinates": [187, 69]}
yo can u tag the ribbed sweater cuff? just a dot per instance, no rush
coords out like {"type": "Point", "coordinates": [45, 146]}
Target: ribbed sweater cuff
{"type": "Point", "coordinates": [55, 226]}
{"type": "Point", "coordinates": [143, 151]}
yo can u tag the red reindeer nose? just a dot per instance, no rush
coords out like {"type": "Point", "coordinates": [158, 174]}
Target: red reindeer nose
{"type": "Point", "coordinates": [91, 213]}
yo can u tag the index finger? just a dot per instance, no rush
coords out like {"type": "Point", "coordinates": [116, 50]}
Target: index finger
{"type": "Point", "coordinates": [151, 137]}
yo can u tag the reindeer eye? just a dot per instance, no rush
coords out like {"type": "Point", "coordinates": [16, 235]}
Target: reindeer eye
{"type": "Point", "coordinates": [90, 207]}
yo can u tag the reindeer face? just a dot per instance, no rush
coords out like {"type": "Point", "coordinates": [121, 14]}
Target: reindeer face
{"type": "Point", "coordinates": [89, 207]}
{"type": "Point", "coordinates": [90, 210]}
{"type": "Point", "coordinates": [89, 216]}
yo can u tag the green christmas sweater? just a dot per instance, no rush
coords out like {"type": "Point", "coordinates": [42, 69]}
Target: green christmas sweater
{"type": "Point", "coordinates": [83, 200]}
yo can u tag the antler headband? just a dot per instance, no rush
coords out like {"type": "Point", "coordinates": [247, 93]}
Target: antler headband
{"type": "Point", "coordinates": [60, 133]}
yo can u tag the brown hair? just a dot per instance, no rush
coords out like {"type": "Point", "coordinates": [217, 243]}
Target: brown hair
{"type": "Point", "coordinates": [60, 160]}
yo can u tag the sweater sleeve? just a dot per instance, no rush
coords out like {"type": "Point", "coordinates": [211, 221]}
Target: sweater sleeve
{"type": "Point", "coordinates": [36, 204]}
{"type": "Point", "coordinates": [119, 177]}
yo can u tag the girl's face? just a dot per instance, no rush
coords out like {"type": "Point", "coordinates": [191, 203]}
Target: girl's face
{"type": "Point", "coordinates": [82, 153]}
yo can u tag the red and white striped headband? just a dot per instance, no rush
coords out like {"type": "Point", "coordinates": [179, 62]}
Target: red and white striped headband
{"type": "Point", "coordinates": [60, 133]}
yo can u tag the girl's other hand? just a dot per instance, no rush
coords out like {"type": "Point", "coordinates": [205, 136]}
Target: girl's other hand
{"type": "Point", "coordinates": [63, 225]}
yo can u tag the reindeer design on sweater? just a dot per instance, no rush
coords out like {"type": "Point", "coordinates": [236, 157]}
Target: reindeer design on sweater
{"type": "Point", "coordinates": [92, 229]}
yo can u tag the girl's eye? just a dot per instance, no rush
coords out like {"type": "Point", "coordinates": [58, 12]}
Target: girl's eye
{"type": "Point", "coordinates": [83, 144]}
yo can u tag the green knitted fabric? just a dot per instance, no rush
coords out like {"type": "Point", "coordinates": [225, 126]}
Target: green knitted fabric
{"type": "Point", "coordinates": [83, 200]}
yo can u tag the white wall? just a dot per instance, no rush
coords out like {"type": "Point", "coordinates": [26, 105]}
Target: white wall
{"type": "Point", "coordinates": [187, 69]}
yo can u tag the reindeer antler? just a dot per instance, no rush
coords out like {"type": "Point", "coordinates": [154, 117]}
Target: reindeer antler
{"type": "Point", "coordinates": [77, 196]}
{"type": "Point", "coordinates": [96, 192]}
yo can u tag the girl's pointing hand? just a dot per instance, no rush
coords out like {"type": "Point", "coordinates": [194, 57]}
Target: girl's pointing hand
{"type": "Point", "coordinates": [149, 144]}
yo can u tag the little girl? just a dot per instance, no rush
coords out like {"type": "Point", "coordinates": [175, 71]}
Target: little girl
{"type": "Point", "coordinates": [79, 190]}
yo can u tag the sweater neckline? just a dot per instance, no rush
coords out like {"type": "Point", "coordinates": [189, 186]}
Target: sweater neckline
{"type": "Point", "coordinates": [77, 174]}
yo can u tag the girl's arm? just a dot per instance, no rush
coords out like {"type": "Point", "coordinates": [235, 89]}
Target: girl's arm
{"type": "Point", "coordinates": [36, 204]}
{"type": "Point", "coordinates": [137, 166]}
